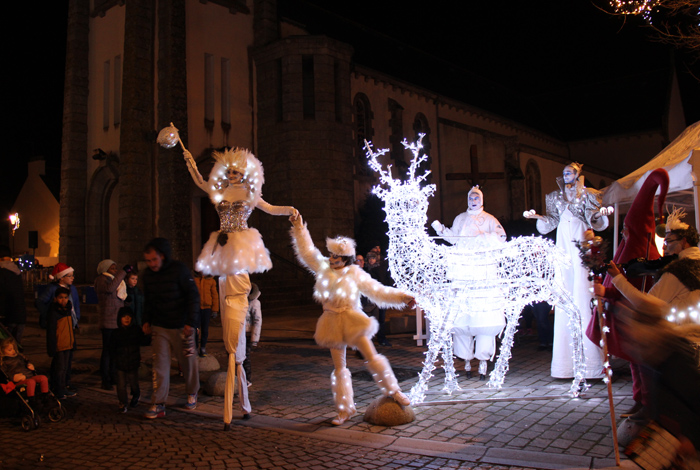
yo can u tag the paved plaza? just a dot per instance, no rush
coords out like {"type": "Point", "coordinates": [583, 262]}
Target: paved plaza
{"type": "Point", "coordinates": [530, 423]}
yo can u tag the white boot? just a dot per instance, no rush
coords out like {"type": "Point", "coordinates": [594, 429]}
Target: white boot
{"type": "Point", "coordinates": [483, 368]}
{"type": "Point", "coordinates": [384, 377]}
{"type": "Point", "coordinates": [341, 386]}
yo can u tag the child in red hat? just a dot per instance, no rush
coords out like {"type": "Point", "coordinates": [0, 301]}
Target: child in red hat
{"type": "Point", "coordinates": [62, 275]}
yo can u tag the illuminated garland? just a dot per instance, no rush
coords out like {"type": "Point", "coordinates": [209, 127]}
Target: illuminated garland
{"type": "Point", "coordinates": [635, 7]}
{"type": "Point", "coordinates": [525, 268]}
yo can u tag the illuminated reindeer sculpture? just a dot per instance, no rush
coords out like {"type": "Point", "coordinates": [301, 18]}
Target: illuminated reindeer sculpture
{"type": "Point", "coordinates": [523, 271]}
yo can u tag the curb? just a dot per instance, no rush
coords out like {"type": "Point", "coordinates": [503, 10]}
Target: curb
{"type": "Point", "coordinates": [462, 452]}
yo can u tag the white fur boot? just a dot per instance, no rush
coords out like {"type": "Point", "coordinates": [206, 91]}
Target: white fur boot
{"type": "Point", "coordinates": [341, 386]}
{"type": "Point", "coordinates": [384, 377]}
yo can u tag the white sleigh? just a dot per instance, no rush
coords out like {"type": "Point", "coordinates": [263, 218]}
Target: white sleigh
{"type": "Point", "coordinates": [450, 281]}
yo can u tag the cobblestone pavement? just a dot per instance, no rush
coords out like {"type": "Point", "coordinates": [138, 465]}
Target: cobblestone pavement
{"type": "Point", "coordinates": [94, 436]}
{"type": "Point", "coordinates": [530, 423]}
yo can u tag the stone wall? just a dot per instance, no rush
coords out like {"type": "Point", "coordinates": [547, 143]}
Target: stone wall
{"type": "Point", "coordinates": [136, 131]}
{"type": "Point", "coordinates": [308, 160]}
{"type": "Point", "coordinates": [173, 201]}
{"type": "Point", "coordinates": [74, 147]}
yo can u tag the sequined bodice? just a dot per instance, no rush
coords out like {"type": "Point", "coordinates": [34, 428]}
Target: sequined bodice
{"type": "Point", "coordinates": [233, 216]}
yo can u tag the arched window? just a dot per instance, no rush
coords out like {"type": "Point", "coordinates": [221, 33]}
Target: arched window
{"type": "Point", "coordinates": [362, 112]}
{"type": "Point", "coordinates": [420, 126]}
{"type": "Point", "coordinates": [533, 186]}
{"type": "Point", "coordinates": [396, 148]}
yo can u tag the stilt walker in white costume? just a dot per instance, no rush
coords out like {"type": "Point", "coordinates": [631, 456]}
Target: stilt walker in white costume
{"type": "Point", "coordinates": [234, 187]}
{"type": "Point", "coordinates": [339, 284]}
{"type": "Point", "coordinates": [475, 330]}
{"type": "Point", "coordinates": [572, 210]}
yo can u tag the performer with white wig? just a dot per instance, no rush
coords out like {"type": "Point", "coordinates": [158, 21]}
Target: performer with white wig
{"type": "Point", "coordinates": [339, 283]}
{"type": "Point", "coordinates": [572, 210]}
{"type": "Point", "coordinates": [481, 317]}
{"type": "Point", "coordinates": [235, 188]}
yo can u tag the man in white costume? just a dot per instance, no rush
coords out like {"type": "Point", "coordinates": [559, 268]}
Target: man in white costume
{"type": "Point", "coordinates": [572, 210]}
{"type": "Point", "coordinates": [481, 319]}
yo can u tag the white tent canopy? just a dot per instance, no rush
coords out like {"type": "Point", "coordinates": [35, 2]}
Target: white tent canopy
{"type": "Point", "coordinates": [682, 161]}
{"type": "Point", "coordinates": [675, 159]}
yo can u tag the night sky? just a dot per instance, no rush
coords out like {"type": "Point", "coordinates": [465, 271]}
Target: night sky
{"type": "Point", "coordinates": [561, 66]}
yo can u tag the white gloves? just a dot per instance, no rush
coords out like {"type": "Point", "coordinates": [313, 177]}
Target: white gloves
{"type": "Point", "coordinates": [437, 226]}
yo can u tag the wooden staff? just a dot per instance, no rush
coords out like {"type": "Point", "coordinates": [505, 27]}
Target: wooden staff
{"type": "Point", "coordinates": [608, 374]}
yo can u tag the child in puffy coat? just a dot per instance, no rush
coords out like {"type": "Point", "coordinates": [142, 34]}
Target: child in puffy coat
{"type": "Point", "coordinates": [19, 370]}
{"type": "Point", "coordinates": [126, 350]}
{"type": "Point", "coordinates": [60, 341]}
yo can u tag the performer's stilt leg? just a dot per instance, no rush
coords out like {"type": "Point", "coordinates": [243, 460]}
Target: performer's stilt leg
{"type": "Point", "coordinates": [234, 291]}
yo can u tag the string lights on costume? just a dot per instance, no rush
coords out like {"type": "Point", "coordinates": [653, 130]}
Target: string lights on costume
{"type": "Point", "coordinates": [238, 159]}
{"type": "Point", "coordinates": [439, 277]}
{"type": "Point", "coordinates": [592, 250]}
{"type": "Point", "coordinates": [688, 315]}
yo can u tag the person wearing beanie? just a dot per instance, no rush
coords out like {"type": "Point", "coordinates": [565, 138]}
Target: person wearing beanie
{"type": "Point", "coordinates": [474, 333]}
{"type": "Point", "coordinates": [111, 293]}
{"type": "Point", "coordinates": [61, 275]}
{"type": "Point", "coordinates": [13, 310]}
{"type": "Point", "coordinates": [572, 210]}
{"type": "Point", "coordinates": [339, 284]}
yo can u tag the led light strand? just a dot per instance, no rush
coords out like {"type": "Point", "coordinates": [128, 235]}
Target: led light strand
{"type": "Point", "coordinates": [525, 268]}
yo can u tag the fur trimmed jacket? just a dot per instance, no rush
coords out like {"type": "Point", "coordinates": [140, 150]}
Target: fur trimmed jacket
{"type": "Point", "coordinates": [338, 291]}
{"type": "Point", "coordinates": [671, 290]}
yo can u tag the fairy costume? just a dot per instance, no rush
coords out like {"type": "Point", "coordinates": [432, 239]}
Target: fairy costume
{"type": "Point", "coordinates": [343, 323]}
{"type": "Point", "coordinates": [234, 251]}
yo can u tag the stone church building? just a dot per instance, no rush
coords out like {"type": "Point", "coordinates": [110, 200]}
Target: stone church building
{"type": "Point", "coordinates": [230, 73]}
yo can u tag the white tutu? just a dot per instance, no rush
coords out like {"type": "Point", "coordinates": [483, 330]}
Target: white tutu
{"type": "Point", "coordinates": [244, 251]}
{"type": "Point", "coordinates": [338, 329]}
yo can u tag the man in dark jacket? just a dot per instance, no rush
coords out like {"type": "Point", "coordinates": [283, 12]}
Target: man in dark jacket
{"type": "Point", "coordinates": [13, 310]}
{"type": "Point", "coordinates": [171, 312]}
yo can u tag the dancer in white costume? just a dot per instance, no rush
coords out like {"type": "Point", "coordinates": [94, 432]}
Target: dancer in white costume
{"type": "Point", "coordinates": [234, 187]}
{"type": "Point", "coordinates": [339, 284]}
{"type": "Point", "coordinates": [572, 210]}
{"type": "Point", "coordinates": [474, 333]}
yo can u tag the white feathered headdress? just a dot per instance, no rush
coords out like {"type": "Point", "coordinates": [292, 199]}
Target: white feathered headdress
{"type": "Point", "coordinates": [243, 161]}
{"type": "Point", "coordinates": [673, 221]}
{"type": "Point", "coordinates": [341, 246]}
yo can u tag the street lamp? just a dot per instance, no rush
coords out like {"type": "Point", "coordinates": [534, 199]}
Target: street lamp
{"type": "Point", "coordinates": [14, 225]}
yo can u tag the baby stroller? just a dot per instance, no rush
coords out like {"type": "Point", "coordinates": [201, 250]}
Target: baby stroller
{"type": "Point", "coordinates": [14, 401]}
